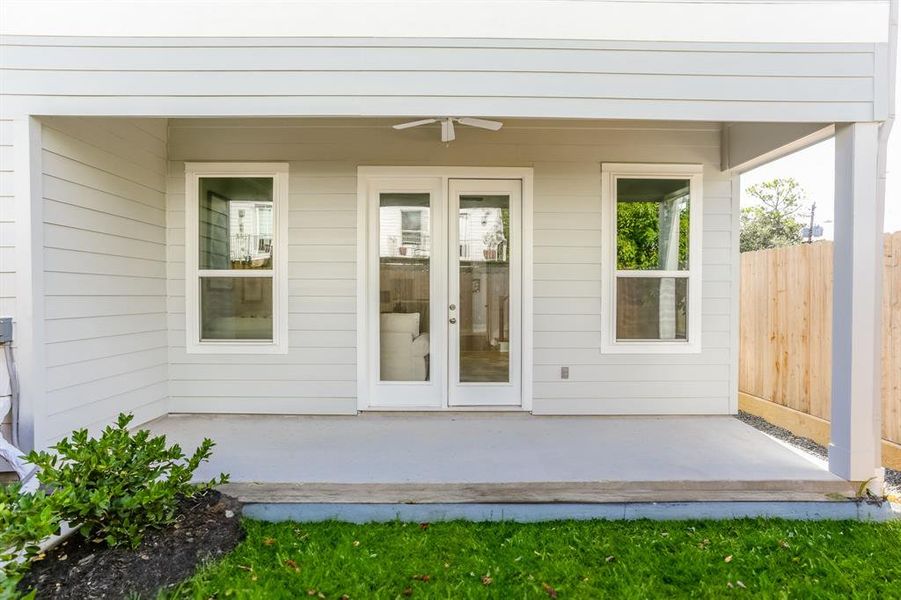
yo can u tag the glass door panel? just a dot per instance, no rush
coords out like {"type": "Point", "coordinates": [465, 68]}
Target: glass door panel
{"type": "Point", "coordinates": [484, 272]}
{"type": "Point", "coordinates": [405, 258]}
{"type": "Point", "coordinates": [484, 292]}
{"type": "Point", "coordinates": [407, 301]}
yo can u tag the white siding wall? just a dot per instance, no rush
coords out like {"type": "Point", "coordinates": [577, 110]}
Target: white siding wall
{"type": "Point", "coordinates": [7, 221]}
{"type": "Point", "coordinates": [7, 245]}
{"type": "Point", "coordinates": [318, 373]}
{"type": "Point", "coordinates": [307, 76]}
{"type": "Point", "coordinates": [104, 184]}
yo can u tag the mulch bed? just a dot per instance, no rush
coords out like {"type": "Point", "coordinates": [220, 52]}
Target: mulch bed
{"type": "Point", "coordinates": [207, 527]}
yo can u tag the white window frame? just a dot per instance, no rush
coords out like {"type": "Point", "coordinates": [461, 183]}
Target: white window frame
{"type": "Point", "coordinates": [610, 172]}
{"type": "Point", "coordinates": [279, 273]}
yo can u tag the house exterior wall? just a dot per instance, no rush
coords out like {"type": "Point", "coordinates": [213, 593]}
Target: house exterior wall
{"type": "Point", "coordinates": [104, 231]}
{"type": "Point", "coordinates": [318, 373]}
{"type": "Point", "coordinates": [7, 220]}
{"type": "Point", "coordinates": [7, 244]}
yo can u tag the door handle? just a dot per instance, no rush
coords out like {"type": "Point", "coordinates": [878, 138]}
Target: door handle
{"type": "Point", "coordinates": [453, 307]}
{"type": "Point", "coordinates": [452, 320]}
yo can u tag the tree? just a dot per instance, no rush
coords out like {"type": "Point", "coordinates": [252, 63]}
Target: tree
{"type": "Point", "coordinates": [772, 223]}
{"type": "Point", "coordinates": [638, 235]}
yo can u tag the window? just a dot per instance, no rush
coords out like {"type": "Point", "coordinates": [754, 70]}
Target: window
{"type": "Point", "coordinates": [236, 257]}
{"type": "Point", "coordinates": [652, 262]}
{"type": "Point", "coordinates": [411, 227]}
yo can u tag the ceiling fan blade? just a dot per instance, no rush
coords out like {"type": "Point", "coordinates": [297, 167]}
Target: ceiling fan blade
{"type": "Point", "coordinates": [415, 123]}
{"type": "Point", "coordinates": [447, 130]}
{"type": "Point", "coordinates": [482, 123]}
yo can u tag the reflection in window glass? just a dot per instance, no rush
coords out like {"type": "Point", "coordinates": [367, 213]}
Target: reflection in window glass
{"type": "Point", "coordinates": [235, 223]}
{"type": "Point", "coordinates": [652, 227]}
{"type": "Point", "coordinates": [484, 310]}
{"type": "Point", "coordinates": [652, 308]}
{"type": "Point", "coordinates": [652, 223]}
{"type": "Point", "coordinates": [236, 308]}
{"type": "Point", "coordinates": [404, 279]}
{"type": "Point", "coordinates": [411, 227]}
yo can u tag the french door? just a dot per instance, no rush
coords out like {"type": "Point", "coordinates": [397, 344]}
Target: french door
{"type": "Point", "coordinates": [444, 292]}
{"type": "Point", "coordinates": [484, 292]}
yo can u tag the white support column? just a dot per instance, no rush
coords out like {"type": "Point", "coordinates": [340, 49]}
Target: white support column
{"type": "Point", "coordinates": [28, 333]}
{"type": "Point", "coordinates": [855, 448]}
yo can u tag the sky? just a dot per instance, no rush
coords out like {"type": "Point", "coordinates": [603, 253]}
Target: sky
{"type": "Point", "coordinates": [814, 169]}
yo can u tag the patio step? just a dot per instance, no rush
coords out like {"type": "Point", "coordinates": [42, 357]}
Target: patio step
{"type": "Point", "coordinates": [588, 492]}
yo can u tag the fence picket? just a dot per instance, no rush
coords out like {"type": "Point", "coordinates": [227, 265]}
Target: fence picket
{"type": "Point", "coordinates": [786, 329]}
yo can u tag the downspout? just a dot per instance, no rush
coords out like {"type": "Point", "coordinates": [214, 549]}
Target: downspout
{"type": "Point", "coordinates": [9, 400]}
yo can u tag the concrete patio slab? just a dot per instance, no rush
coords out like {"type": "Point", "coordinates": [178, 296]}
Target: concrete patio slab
{"type": "Point", "coordinates": [433, 458]}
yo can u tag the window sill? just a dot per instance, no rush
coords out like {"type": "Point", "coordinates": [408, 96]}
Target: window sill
{"type": "Point", "coordinates": [236, 348]}
{"type": "Point", "coordinates": [650, 348]}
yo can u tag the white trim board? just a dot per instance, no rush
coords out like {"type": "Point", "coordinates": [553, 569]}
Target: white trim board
{"type": "Point", "coordinates": [669, 20]}
{"type": "Point", "coordinates": [365, 353]}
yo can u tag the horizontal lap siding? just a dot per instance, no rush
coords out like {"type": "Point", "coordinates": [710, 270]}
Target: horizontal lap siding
{"type": "Point", "coordinates": [528, 78]}
{"type": "Point", "coordinates": [7, 221]}
{"type": "Point", "coordinates": [7, 246]}
{"type": "Point", "coordinates": [567, 303]}
{"type": "Point", "coordinates": [103, 187]}
{"type": "Point", "coordinates": [318, 374]}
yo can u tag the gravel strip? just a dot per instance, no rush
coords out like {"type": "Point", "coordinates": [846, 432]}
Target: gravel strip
{"type": "Point", "coordinates": [892, 477]}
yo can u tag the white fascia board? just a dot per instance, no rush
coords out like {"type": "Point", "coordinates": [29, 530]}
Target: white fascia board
{"type": "Point", "coordinates": [824, 21]}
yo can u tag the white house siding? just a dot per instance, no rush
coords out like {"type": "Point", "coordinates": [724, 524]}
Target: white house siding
{"type": "Point", "coordinates": [104, 184]}
{"type": "Point", "coordinates": [7, 221]}
{"type": "Point", "coordinates": [318, 373]}
{"type": "Point", "coordinates": [7, 243]}
{"type": "Point", "coordinates": [366, 76]}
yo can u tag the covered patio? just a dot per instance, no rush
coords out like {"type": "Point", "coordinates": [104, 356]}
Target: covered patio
{"type": "Point", "coordinates": [144, 284]}
{"type": "Point", "coordinates": [501, 458]}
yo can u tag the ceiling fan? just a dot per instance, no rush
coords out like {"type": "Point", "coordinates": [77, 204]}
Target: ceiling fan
{"type": "Point", "coordinates": [447, 125]}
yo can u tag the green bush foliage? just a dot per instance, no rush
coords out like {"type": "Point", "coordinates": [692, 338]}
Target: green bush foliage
{"type": "Point", "coordinates": [25, 520]}
{"type": "Point", "coordinates": [119, 485]}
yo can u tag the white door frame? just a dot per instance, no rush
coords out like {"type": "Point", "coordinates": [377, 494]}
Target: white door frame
{"type": "Point", "coordinates": [367, 177]}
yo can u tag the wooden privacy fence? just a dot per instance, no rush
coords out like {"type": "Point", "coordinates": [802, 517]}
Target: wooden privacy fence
{"type": "Point", "coordinates": [786, 339]}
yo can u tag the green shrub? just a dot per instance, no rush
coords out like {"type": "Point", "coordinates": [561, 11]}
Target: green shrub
{"type": "Point", "coordinates": [25, 520]}
{"type": "Point", "coordinates": [116, 487]}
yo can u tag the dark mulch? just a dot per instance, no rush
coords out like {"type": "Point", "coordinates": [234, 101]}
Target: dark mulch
{"type": "Point", "coordinates": [207, 528]}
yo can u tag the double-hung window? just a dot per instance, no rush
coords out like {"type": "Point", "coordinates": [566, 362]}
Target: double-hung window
{"type": "Point", "coordinates": [652, 258]}
{"type": "Point", "coordinates": [236, 257]}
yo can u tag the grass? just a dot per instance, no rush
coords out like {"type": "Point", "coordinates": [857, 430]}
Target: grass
{"type": "Point", "coordinates": [566, 559]}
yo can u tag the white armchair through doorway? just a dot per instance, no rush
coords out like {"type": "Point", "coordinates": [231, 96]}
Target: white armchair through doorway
{"type": "Point", "coordinates": [404, 351]}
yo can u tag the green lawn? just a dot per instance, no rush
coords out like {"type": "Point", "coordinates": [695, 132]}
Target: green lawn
{"type": "Point", "coordinates": [639, 559]}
